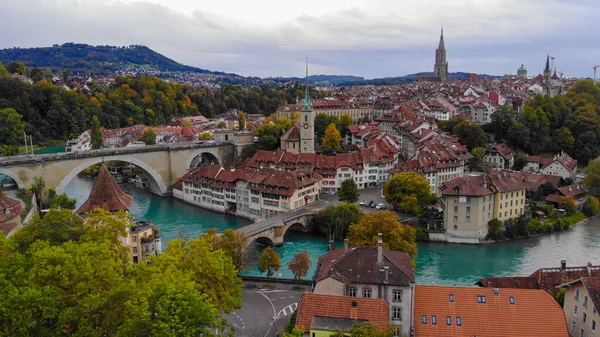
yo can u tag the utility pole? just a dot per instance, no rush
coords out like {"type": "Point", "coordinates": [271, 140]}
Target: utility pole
{"type": "Point", "coordinates": [31, 143]}
{"type": "Point", "coordinates": [26, 148]}
{"type": "Point", "coordinates": [595, 67]}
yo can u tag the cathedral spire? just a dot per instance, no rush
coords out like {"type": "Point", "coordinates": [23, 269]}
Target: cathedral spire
{"type": "Point", "coordinates": [441, 46]}
{"type": "Point", "coordinates": [547, 69]}
{"type": "Point", "coordinates": [307, 103]}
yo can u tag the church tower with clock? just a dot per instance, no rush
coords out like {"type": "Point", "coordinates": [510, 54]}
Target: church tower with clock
{"type": "Point", "coordinates": [307, 122]}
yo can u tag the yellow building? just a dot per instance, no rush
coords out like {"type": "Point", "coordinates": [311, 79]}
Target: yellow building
{"type": "Point", "coordinates": [509, 201]}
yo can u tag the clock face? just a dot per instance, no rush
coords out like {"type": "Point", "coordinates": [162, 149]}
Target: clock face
{"type": "Point", "coordinates": [306, 126]}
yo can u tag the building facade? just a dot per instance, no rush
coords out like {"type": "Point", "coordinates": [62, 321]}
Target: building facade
{"type": "Point", "coordinates": [582, 306]}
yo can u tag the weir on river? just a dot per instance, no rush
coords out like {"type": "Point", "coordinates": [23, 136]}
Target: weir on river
{"type": "Point", "coordinates": [437, 263]}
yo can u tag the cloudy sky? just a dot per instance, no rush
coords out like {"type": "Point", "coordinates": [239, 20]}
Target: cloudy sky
{"type": "Point", "coordinates": [369, 38]}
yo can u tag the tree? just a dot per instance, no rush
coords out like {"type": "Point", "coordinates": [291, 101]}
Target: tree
{"type": "Point", "coordinates": [205, 136]}
{"type": "Point", "coordinates": [344, 122]}
{"type": "Point", "coordinates": [149, 137]}
{"type": "Point", "coordinates": [337, 333]}
{"type": "Point", "coordinates": [12, 127]}
{"type": "Point", "coordinates": [17, 68]}
{"type": "Point", "coordinates": [63, 202]}
{"type": "Point", "coordinates": [332, 138]}
{"type": "Point", "coordinates": [591, 206]}
{"type": "Point", "coordinates": [494, 230]}
{"type": "Point", "coordinates": [469, 134]}
{"type": "Point", "coordinates": [367, 329]}
{"type": "Point", "coordinates": [242, 121]}
{"type": "Point", "coordinates": [269, 261]}
{"type": "Point", "coordinates": [38, 187]}
{"type": "Point", "coordinates": [591, 180]}
{"type": "Point", "coordinates": [563, 140]}
{"type": "Point", "coordinates": [348, 191]}
{"type": "Point", "coordinates": [476, 162]}
{"type": "Point", "coordinates": [233, 243]}
{"type": "Point", "coordinates": [521, 160]}
{"type": "Point", "coordinates": [3, 71]}
{"type": "Point", "coordinates": [97, 137]}
{"type": "Point", "coordinates": [396, 236]}
{"type": "Point", "coordinates": [296, 332]}
{"type": "Point", "coordinates": [407, 184]}
{"type": "Point", "coordinates": [568, 203]}
{"type": "Point", "coordinates": [334, 221]}
{"type": "Point", "coordinates": [56, 227]}
{"type": "Point", "coordinates": [36, 74]}
{"type": "Point", "coordinates": [300, 264]}
{"type": "Point", "coordinates": [322, 121]}
{"type": "Point", "coordinates": [268, 137]}
{"type": "Point", "coordinates": [502, 120]}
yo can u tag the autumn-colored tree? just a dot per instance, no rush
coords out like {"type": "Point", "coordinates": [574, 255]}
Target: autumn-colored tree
{"type": "Point", "coordinates": [97, 138]}
{"type": "Point", "coordinates": [186, 124]}
{"type": "Point", "coordinates": [591, 180]}
{"type": "Point", "coordinates": [300, 264]}
{"type": "Point", "coordinates": [269, 261]}
{"type": "Point", "coordinates": [591, 206]}
{"type": "Point", "coordinates": [396, 236]}
{"type": "Point", "coordinates": [233, 243]}
{"type": "Point", "coordinates": [221, 125]}
{"type": "Point", "coordinates": [410, 186]}
{"type": "Point", "coordinates": [205, 136]}
{"type": "Point", "coordinates": [348, 191]}
{"type": "Point", "coordinates": [242, 121]}
{"type": "Point", "coordinates": [568, 203]}
{"type": "Point", "coordinates": [332, 138]}
{"type": "Point", "coordinates": [149, 136]}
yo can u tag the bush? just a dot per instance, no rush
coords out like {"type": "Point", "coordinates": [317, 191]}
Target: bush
{"type": "Point", "coordinates": [591, 207]}
{"type": "Point", "coordinates": [494, 230]}
{"type": "Point", "coordinates": [422, 235]}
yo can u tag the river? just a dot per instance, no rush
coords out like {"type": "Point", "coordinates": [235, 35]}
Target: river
{"type": "Point", "coordinates": [437, 263]}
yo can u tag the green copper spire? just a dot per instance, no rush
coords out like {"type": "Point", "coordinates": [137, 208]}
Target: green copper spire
{"type": "Point", "coordinates": [307, 103]}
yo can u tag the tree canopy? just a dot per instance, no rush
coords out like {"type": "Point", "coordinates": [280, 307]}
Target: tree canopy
{"type": "Point", "coordinates": [300, 264]}
{"type": "Point", "coordinates": [332, 138]}
{"type": "Point", "coordinates": [12, 127]}
{"type": "Point", "coordinates": [591, 180]}
{"type": "Point", "coordinates": [96, 134]}
{"type": "Point", "coordinates": [269, 261]}
{"type": "Point", "coordinates": [149, 137]}
{"type": "Point", "coordinates": [334, 221]}
{"type": "Point", "coordinates": [408, 191]}
{"type": "Point", "coordinates": [348, 191]}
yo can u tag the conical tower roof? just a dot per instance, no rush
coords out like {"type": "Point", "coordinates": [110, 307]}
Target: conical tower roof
{"type": "Point", "coordinates": [106, 194]}
{"type": "Point", "coordinates": [307, 106]}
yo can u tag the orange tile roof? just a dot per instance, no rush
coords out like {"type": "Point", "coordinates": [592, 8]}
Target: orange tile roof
{"type": "Point", "coordinates": [106, 194]}
{"type": "Point", "coordinates": [374, 310]}
{"type": "Point", "coordinates": [535, 313]}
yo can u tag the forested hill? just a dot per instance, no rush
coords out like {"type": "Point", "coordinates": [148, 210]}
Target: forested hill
{"type": "Point", "coordinates": [96, 60]}
{"type": "Point", "coordinates": [411, 78]}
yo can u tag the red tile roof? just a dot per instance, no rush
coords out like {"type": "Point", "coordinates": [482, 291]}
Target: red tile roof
{"type": "Point", "coordinates": [106, 194]}
{"type": "Point", "coordinates": [374, 310]}
{"type": "Point", "coordinates": [9, 208]}
{"type": "Point", "coordinates": [534, 312]}
{"type": "Point", "coordinates": [592, 285]}
{"type": "Point", "coordinates": [503, 150]}
{"type": "Point", "coordinates": [469, 186]}
{"type": "Point", "coordinates": [574, 190]}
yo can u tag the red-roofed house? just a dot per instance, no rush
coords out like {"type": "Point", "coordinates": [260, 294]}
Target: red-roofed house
{"type": "Point", "coordinates": [561, 165]}
{"type": "Point", "coordinates": [499, 156]}
{"type": "Point", "coordinates": [10, 214]}
{"type": "Point", "coordinates": [106, 194]}
{"type": "Point", "coordinates": [582, 305]}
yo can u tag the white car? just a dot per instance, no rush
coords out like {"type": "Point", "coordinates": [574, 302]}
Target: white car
{"type": "Point", "coordinates": [380, 206]}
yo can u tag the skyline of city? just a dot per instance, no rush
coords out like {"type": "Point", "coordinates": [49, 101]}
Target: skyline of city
{"type": "Point", "coordinates": [373, 40]}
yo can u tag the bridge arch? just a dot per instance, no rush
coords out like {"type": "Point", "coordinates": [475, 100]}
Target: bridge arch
{"type": "Point", "coordinates": [210, 154]}
{"type": "Point", "coordinates": [263, 240]}
{"type": "Point", "coordinates": [14, 177]}
{"type": "Point", "coordinates": [156, 181]}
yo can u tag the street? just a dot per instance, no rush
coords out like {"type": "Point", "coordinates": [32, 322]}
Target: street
{"type": "Point", "coordinates": [368, 194]}
{"type": "Point", "coordinates": [264, 312]}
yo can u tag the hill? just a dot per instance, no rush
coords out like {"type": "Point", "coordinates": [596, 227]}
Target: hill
{"type": "Point", "coordinates": [321, 79]}
{"type": "Point", "coordinates": [411, 78]}
{"type": "Point", "coordinates": [97, 60]}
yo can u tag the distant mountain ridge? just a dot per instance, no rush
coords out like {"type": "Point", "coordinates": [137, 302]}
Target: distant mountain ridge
{"type": "Point", "coordinates": [97, 60]}
{"type": "Point", "coordinates": [413, 77]}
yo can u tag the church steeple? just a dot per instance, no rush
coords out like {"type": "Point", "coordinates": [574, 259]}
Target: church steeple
{"type": "Point", "coordinates": [440, 69]}
{"type": "Point", "coordinates": [441, 46]}
{"type": "Point", "coordinates": [307, 103]}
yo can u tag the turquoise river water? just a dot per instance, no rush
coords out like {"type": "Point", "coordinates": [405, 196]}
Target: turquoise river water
{"type": "Point", "coordinates": [437, 263]}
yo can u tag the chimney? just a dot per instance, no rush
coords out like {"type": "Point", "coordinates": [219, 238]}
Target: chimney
{"type": "Point", "coordinates": [345, 247]}
{"type": "Point", "coordinates": [387, 274]}
{"type": "Point", "coordinates": [380, 248]}
{"type": "Point", "coordinates": [589, 269]}
{"type": "Point", "coordinates": [331, 244]}
{"type": "Point", "coordinates": [563, 264]}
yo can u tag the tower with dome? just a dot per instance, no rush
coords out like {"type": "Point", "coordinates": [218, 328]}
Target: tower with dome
{"type": "Point", "coordinates": [522, 72]}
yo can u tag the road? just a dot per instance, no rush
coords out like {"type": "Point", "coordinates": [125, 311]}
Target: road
{"type": "Point", "coordinates": [368, 194]}
{"type": "Point", "coordinates": [264, 312]}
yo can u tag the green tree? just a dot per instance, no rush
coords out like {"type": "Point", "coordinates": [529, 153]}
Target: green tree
{"type": "Point", "coordinates": [502, 120]}
{"type": "Point", "coordinates": [408, 184]}
{"type": "Point", "coordinates": [63, 202]}
{"type": "Point", "coordinates": [447, 126]}
{"type": "Point", "coordinates": [17, 68]}
{"type": "Point", "coordinates": [97, 138]}
{"type": "Point", "coordinates": [300, 265]}
{"type": "Point", "coordinates": [36, 74]}
{"type": "Point", "coordinates": [521, 160]}
{"type": "Point", "coordinates": [269, 261]}
{"type": "Point", "coordinates": [334, 221]}
{"type": "Point", "coordinates": [322, 121]}
{"type": "Point", "coordinates": [396, 236]}
{"type": "Point", "coordinates": [12, 127]}
{"type": "Point", "coordinates": [367, 329]}
{"type": "Point", "coordinates": [538, 125]}
{"type": "Point", "coordinates": [296, 332]}
{"type": "Point", "coordinates": [56, 227]}
{"type": "Point", "coordinates": [268, 137]}
{"type": "Point", "coordinates": [242, 121]}
{"type": "Point", "coordinates": [344, 122]}
{"type": "Point", "coordinates": [591, 180]}
{"type": "Point", "coordinates": [476, 162]}
{"type": "Point", "coordinates": [337, 333]}
{"type": "Point", "coordinates": [469, 134]}
{"type": "Point", "coordinates": [563, 140]}
{"type": "Point", "coordinates": [3, 71]}
{"type": "Point", "coordinates": [591, 206]}
{"type": "Point", "coordinates": [332, 138]}
{"type": "Point", "coordinates": [494, 230]}
{"type": "Point", "coordinates": [348, 191]}
{"type": "Point", "coordinates": [37, 186]}
{"type": "Point", "coordinates": [233, 243]}
{"type": "Point", "coordinates": [149, 136]}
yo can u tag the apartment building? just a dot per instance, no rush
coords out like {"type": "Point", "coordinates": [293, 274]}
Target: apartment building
{"type": "Point", "coordinates": [509, 201]}
{"type": "Point", "coordinates": [582, 306]}
{"type": "Point", "coordinates": [499, 156]}
{"type": "Point", "coordinates": [331, 107]}
{"type": "Point", "coordinates": [253, 194]}
{"type": "Point", "coordinates": [144, 241]}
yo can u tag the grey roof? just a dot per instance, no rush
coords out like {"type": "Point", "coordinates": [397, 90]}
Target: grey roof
{"type": "Point", "coordinates": [330, 323]}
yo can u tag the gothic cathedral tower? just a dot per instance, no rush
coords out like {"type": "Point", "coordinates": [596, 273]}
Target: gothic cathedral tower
{"type": "Point", "coordinates": [307, 122]}
{"type": "Point", "coordinates": [440, 69]}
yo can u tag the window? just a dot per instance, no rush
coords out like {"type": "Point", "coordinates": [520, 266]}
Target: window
{"type": "Point", "coordinates": [585, 301]}
{"type": "Point", "coordinates": [434, 320]}
{"type": "Point", "coordinates": [575, 309]}
{"type": "Point", "coordinates": [448, 320]}
{"type": "Point", "coordinates": [573, 327]}
{"type": "Point", "coordinates": [584, 317]}
{"type": "Point", "coordinates": [468, 209]}
{"type": "Point", "coordinates": [352, 292]}
{"type": "Point", "coordinates": [581, 333]}
{"type": "Point", "coordinates": [481, 299]}
{"type": "Point", "coordinates": [458, 321]}
{"type": "Point", "coordinates": [424, 319]}
{"type": "Point", "coordinates": [397, 313]}
{"type": "Point", "coordinates": [593, 325]}
{"type": "Point", "coordinates": [366, 292]}
{"type": "Point", "coordinates": [468, 218]}
{"type": "Point", "coordinates": [456, 218]}
{"type": "Point", "coordinates": [134, 238]}
{"type": "Point", "coordinates": [511, 300]}
{"type": "Point", "coordinates": [456, 208]}
{"type": "Point", "coordinates": [577, 294]}
{"type": "Point", "coordinates": [135, 250]}
{"type": "Point", "coordinates": [451, 298]}
{"type": "Point", "coordinates": [397, 295]}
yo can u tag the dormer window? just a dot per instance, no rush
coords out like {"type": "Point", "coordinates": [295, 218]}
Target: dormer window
{"type": "Point", "coordinates": [451, 298]}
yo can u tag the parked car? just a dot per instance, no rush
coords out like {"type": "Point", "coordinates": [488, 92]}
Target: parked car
{"type": "Point", "coordinates": [363, 203]}
{"type": "Point", "coordinates": [370, 204]}
{"type": "Point", "coordinates": [373, 204]}
{"type": "Point", "coordinates": [380, 206]}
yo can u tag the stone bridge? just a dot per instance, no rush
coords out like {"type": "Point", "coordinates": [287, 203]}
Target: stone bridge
{"type": "Point", "coordinates": [271, 231]}
{"type": "Point", "coordinates": [163, 165]}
